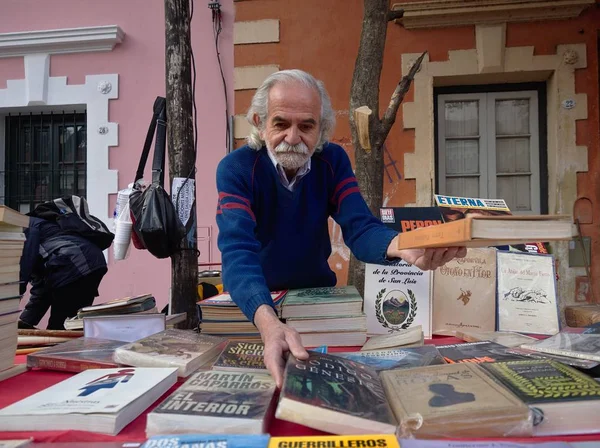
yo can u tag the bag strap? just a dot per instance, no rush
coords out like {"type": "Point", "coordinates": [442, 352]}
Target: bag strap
{"type": "Point", "coordinates": [159, 105]}
{"type": "Point", "coordinates": [160, 147]}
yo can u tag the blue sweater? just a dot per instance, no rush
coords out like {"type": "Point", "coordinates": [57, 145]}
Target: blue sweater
{"type": "Point", "coordinates": [271, 238]}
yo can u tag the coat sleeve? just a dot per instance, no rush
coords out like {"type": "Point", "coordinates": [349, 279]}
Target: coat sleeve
{"type": "Point", "coordinates": [29, 257]}
{"type": "Point", "coordinates": [366, 236]}
{"type": "Point", "coordinates": [243, 277]}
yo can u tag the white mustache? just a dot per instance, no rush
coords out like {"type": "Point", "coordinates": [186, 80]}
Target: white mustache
{"type": "Point", "coordinates": [300, 148]}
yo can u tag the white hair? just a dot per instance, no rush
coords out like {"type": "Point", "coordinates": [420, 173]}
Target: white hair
{"type": "Point", "coordinates": [260, 106]}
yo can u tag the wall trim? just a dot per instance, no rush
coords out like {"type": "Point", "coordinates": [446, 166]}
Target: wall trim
{"type": "Point", "coordinates": [445, 13]}
{"type": "Point", "coordinates": [565, 158]}
{"type": "Point", "coordinates": [40, 91]}
{"type": "Point", "coordinates": [60, 41]}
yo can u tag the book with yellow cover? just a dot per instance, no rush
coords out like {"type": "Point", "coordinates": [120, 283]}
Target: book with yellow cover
{"type": "Point", "coordinates": [477, 230]}
{"type": "Point", "coordinates": [378, 440]}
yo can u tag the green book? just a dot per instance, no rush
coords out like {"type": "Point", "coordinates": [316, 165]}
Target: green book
{"type": "Point", "coordinates": [324, 302]}
{"type": "Point", "coordinates": [563, 400]}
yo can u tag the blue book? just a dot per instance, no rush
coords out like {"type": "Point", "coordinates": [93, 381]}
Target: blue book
{"type": "Point", "coordinates": [207, 441]}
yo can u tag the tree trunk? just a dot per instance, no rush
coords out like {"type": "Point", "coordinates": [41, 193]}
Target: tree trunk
{"type": "Point", "coordinates": [182, 157]}
{"type": "Point", "coordinates": [365, 92]}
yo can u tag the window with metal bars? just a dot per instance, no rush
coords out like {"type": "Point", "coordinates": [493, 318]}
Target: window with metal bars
{"type": "Point", "coordinates": [45, 158]}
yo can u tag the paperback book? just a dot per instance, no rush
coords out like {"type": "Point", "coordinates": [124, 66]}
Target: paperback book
{"type": "Point", "coordinates": [454, 401]}
{"type": "Point", "coordinates": [242, 355]}
{"type": "Point", "coordinates": [563, 400]}
{"type": "Point", "coordinates": [335, 395]}
{"type": "Point", "coordinates": [358, 441]}
{"type": "Point", "coordinates": [76, 355]}
{"type": "Point", "coordinates": [585, 346]}
{"type": "Point", "coordinates": [402, 338]}
{"type": "Point", "coordinates": [322, 302]}
{"type": "Point", "coordinates": [102, 400]}
{"type": "Point", "coordinates": [207, 441]}
{"type": "Point", "coordinates": [396, 358]}
{"type": "Point", "coordinates": [213, 402]}
{"type": "Point", "coordinates": [183, 349]}
{"type": "Point", "coordinates": [526, 293]}
{"type": "Point", "coordinates": [506, 338]}
{"type": "Point", "coordinates": [476, 352]}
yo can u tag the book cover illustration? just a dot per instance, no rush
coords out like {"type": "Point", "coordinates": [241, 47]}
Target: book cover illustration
{"type": "Point", "coordinates": [97, 391]}
{"type": "Point", "coordinates": [312, 296]}
{"type": "Point", "coordinates": [329, 382]}
{"type": "Point", "coordinates": [221, 394]}
{"type": "Point", "coordinates": [396, 358]}
{"type": "Point", "coordinates": [76, 355]}
{"type": "Point", "coordinates": [526, 293]}
{"type": "Point", "coordinates": [241, 355]}
{"type": "Point", "coordinates": [453, 400]}
{"type": "Point", "coordinates": [397, 297]}
{"type": "Point", "coordinates": [464, 293]}
{"type": "Point", "coordinates": [586, 346]}
{"type": "Point", "coordinates": [208, 441]}
{"type": "Point", "coordinates": [453, 208]}
{"type": "Point", "coordinates": [544, 381]}
{"type": "Point", "coordinates": [171, 345]}
{"type": "Point", "coordinates": [476, 352]}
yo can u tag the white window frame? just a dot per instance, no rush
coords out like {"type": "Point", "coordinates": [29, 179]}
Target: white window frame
{"type": "Point", "coordinates": [487, 142]}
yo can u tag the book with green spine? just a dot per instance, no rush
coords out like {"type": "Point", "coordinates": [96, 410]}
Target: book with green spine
{"type": "Point", "coordinates": [563, 400]}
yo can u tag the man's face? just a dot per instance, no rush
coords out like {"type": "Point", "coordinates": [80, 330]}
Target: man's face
{"type": "Point", "coordinates": [292, 129]}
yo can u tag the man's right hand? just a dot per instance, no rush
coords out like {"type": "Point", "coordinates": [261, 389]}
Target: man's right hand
{"type": "Point", "coordinates": [279, 339]}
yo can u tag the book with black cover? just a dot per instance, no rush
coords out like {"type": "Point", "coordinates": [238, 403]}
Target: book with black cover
{"type": "Point", "coordinates": [76, 356]}
{"type": "Point", "coordinates": [396, 358]}
{"type": "Point", "coordinates": [335, 395]}
{"type": "Point", "coordinates": [476, 352]}
{"type": "Point", "coordinates": [564, 400]}
{"type": "Point", "coordinates": [213, 402]}
{"type": "Point", "coordinates": [241, 355]}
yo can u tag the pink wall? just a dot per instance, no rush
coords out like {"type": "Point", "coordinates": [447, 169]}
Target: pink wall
{"type": "Point", "coordinates": [139, 61]}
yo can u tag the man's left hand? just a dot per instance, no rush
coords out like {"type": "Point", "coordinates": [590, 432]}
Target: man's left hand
{"type": "Point", "coordinates": [426, 259]}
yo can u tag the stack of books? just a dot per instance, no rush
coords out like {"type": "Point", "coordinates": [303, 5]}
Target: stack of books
{"type": "Point", "coordinates": [326, 316]}
{"type": "Point", "coordinates": [220, 316]}
{"type": "Point", "coordinates": [12, 240]}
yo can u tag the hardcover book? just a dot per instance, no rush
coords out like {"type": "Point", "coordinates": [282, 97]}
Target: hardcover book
{"type": "Point", "coordinates": [323, 302]}
{"type": "Point", "coordinates": [103, 401]}
{"type": "Point", "coordinates": [454, 401]}
{"type": "Point", "coordinates": [397, 297]}
{"type": "Point", "coordinates": [207, 441]}
{"type": "Point", "coordinates": [526, 293]}
{"type": "Point", "coordinates": [585, 346]}
{"type": "Point", "coordinates": [564, 400]}
{"type": "Point", "coordinates": [476, 352]}
{"type": "Point", "coordinates": [76, 355]}
{"type": "Point", "coordinates": [396, 358]}
{"type": "Point", "coordinates": [242, 355]}
{"type": "Point", "coordinates": [464, 293]}
{"type": "Point", "coordinates": [183, 349]}
{"type": "Point", "coordinates": [374, 440]}
{"type": "Point", "coordinates": [213, 402]}
{"type": "Point", "coordinates": [335, 395]}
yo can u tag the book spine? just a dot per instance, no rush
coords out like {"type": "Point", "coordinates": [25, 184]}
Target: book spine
{"type": "Point", "coordinates": [443, 235]}
{"type": "Point", "coordinates": [66, 365]}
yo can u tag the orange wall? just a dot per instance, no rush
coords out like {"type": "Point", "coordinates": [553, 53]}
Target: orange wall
{"type": "Point", "coordinates": [322, 38]}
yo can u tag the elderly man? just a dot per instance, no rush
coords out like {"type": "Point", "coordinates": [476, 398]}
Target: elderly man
{"type": "Point", "coordinates": [275, 197]}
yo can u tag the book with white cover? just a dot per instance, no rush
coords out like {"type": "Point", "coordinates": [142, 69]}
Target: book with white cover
{"type": "Point", "coordinates": [526, 293]}
{"type": "Point", "coordinates": [99, 400]}
{"type": "Point", "coordinates": [397, 297]}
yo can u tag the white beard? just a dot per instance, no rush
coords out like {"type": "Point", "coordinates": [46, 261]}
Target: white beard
{"type": "Point", "coordinates": [290, 157]}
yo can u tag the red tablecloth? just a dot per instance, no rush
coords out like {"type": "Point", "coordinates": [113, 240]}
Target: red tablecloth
{"type": "Point", "coordinates": [28, 383]}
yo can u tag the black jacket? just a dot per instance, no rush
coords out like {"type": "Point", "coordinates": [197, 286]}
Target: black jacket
{"type": "Point", "coordinates": [56, 258]}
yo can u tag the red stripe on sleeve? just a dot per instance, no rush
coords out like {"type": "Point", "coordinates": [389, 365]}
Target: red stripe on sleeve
{"type": "Point", "coordinates": [349, 191]}
{"type": "Point", "coordinates": [238, 206]}
{"type": "Point", "coordinates": [223, 195]}
{"type": "Point", "coordinates": [341, 185]}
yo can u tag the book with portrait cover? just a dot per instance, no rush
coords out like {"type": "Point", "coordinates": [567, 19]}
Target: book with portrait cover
{"type": "Point", "coordinates": [214, 402]}
{"type": "Point", "coordinates": [183, 349]}
{"type": "Point", "coordinates": [454, 400]}
{"type": "Point", "coordinates": [476, 352]}
{"type": "Point", "coordinates": [563, 400]}
{"type": "Point", "coordinates": [335, 395]}
{"type": "Point", "coordinates": [464, 293]}
{"type": "Point", "coordinates": [76, 356]}
{"type": "Point", "coordinates": [241, 355]}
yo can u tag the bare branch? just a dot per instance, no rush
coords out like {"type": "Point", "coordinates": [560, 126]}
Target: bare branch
{"type": "Point", "coordinates": [395, 14]}
{"type": "Point", "coordinates": [403, 86]}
